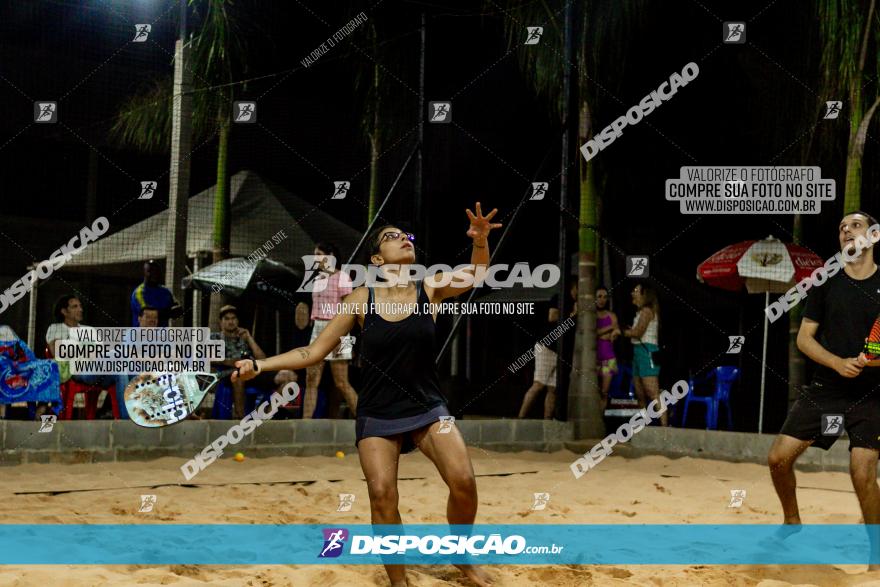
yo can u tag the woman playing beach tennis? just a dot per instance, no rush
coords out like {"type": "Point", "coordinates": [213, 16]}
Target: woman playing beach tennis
{"type": "Point", "coordinates": [400, 405]}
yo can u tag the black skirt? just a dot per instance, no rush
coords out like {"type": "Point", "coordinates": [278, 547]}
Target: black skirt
{"type": "Point", "coordinates": [367, 426]}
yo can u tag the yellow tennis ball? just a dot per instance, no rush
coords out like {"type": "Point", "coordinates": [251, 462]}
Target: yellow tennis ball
{"type": "Point", "coordinates": [340, 454]}
{"type": "Point", "coordinates": [239, 457]}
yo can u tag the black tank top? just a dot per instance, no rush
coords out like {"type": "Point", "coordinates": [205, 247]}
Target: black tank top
{"type": "Point", "coordinates": [399, 378]}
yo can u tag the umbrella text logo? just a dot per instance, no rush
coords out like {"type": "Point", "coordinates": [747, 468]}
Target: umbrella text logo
{"type": "Point", "coordinates": [767, 259]}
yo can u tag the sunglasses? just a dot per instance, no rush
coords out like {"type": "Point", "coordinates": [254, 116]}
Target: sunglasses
{"type": "Point", "coordinates": [396, 235]}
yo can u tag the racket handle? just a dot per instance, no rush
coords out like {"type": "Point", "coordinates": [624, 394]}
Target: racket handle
{"type": "Point", "coordinates": [872, 345]}
{"type": "Point", "coordinates": [227, 372]}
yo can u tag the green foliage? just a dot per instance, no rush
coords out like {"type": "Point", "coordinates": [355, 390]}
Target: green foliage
{"type": "Point", "coordinates": [217, 60]}
{"type": "Point", "coordinates": [598, 30]}
{"type": "Point", "coordinates": [841, 28]}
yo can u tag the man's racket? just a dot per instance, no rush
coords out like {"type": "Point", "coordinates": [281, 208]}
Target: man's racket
{"type": "Point", "coordinates": [872, 343]}
{"type": "Point", "coordinates": [161, 399]}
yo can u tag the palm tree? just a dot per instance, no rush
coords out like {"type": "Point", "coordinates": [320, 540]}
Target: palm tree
{"type": "Point", "coordinates": [371, 121]}
{"type": "Point", "coordinates": [848, 28]}
{"type": "Point", "coordinates": [542, 65]}
{"type": "Point", "coordinates": [845, 31]}
{"type": "Point", "coordinates": [387, 109]}
{"type": "Point", "coordinates": [144, 120]}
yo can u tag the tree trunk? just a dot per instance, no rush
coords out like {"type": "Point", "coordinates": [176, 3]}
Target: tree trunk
{"type": "Point", "coordinates": [853, 198]}
{"type": "Point", "coordinates": [858, 126]}
{"type": "Point", "coordinates": [374, 175]}
{"type": "Point", "coordinates": [374, 138]}
{"type": "Point", "coordinates": [222, 220]}
{"type": "Point", "coordinates": [584, 406]}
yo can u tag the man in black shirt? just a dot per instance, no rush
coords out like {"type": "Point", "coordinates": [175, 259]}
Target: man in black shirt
{"type": "Point", "coordinates": [838, 317]}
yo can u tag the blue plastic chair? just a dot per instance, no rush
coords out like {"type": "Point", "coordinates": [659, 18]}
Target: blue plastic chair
{"type": "Point", "coordinates": [619, 383]}
{"type": "Point", "coordinates": [320, 405]}
{"type": "Point", "coordinates": [723, 378]}
{"type": "Point", "coordinates": [222, 409]}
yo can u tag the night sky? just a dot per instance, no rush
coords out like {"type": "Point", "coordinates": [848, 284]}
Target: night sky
{"type": "Point", "coordinates": [753, 104]}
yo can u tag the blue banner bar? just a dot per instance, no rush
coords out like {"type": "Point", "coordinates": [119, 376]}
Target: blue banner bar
{"type": "Point", "coordinates": [617, 544]}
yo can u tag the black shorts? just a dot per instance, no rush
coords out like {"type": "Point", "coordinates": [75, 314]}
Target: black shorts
{"type": "Point", "coordinates": [814, 416]}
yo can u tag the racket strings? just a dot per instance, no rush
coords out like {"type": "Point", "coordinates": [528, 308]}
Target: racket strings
{"type": "Point", "coordinates": [163, 405]}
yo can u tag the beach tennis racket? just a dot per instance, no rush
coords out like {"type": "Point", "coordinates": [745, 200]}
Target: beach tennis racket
{"type": "Point", "coordinates": [162, 399]}
{"type": "Point", "coordinates": [872, 344]}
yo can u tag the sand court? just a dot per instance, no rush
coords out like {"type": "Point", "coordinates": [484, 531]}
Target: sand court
{"type": "Point", "coordinates": [305, 490]}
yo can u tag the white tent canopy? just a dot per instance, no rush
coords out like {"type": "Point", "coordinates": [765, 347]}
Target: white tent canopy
{"type": "Point", "coordinates": [257, 213]}
{"type": "Point", "coordinates": [259, 210]}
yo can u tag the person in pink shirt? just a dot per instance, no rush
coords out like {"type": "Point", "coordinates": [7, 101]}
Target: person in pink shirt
{"type": "Point", "coordinates": [324, 309]}
{"type": "Point", "coordinates": [607, 331]}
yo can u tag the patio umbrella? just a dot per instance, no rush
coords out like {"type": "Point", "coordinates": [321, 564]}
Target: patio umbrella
{"type": "Point", "coordinates": [761, 266]}
{"type": "Point", "coordinates": [266, 280]}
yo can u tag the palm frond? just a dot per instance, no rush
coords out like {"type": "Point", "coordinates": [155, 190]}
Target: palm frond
{"type": "Point", "coordinates": [217, 57]}
{"type": "Point", "coordinates": [392, 61]}
{"type": "Point", "coordinates": [597, 31]}
{"type": "Point", "coordinates": [841, 26]}
{"type": "Point", "coordinates": [144, 120]}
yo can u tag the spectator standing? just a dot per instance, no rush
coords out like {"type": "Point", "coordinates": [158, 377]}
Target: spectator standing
{"type": "Point", "coordinates": [324, 309]}
{"type": "Point", "coordinates": [546, 358]}
{"type": "Point", "coordinates": [607, 331]}
{"type": "Point", "coordinates": [644, 336]}
{"type": "Point", "coordinates": [152, 293]}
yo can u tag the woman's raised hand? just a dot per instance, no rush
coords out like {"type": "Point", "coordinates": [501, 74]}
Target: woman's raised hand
{"type": "Point", "coordinates": [480, 225]}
